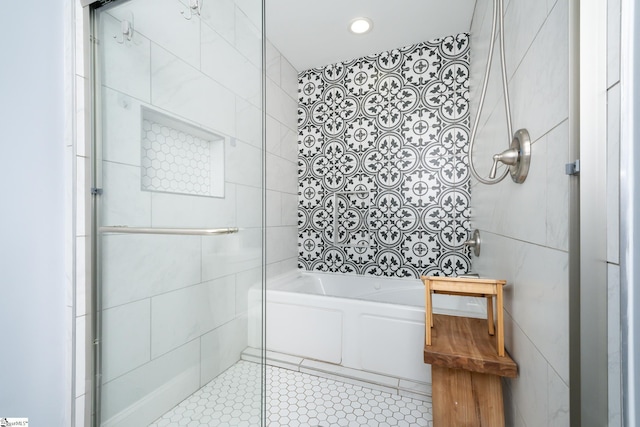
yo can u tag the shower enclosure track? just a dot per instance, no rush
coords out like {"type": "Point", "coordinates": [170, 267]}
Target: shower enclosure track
{"type": "Point", "coordinates": [174, 231]}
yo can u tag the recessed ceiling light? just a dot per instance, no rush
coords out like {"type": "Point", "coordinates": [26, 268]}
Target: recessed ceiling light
{"type": "Point", "coordinates": [360, 25]}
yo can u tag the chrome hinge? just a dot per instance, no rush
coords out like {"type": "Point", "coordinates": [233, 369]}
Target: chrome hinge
{"type": "Point", "coordinates": [96, 191]}
{"type": "Point", "coordinates": [572, 168]}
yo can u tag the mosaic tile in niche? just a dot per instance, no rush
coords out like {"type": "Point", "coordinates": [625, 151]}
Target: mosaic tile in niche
{"type": "Point", "coordinates": [177, 157]}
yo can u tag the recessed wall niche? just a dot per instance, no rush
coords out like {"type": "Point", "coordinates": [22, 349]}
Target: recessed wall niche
{"type": "Point", "coordinates": [179, 157]}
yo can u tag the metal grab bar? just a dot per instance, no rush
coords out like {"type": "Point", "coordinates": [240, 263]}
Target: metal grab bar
{"type": "Point", "coordinates": [174, 231]}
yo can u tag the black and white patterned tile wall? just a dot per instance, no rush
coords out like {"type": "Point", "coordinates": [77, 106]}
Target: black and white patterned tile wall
{"type": "Point", "coordinates": [384, 185]}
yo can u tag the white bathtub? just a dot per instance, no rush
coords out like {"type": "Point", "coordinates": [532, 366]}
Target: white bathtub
{"type": "Point", "coordinates": [363, 323]}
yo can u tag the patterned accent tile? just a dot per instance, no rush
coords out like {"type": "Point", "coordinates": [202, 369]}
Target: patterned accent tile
{"type": "Point", "coordinates": [395, 124]}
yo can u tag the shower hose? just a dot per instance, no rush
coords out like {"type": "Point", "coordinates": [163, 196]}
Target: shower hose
{"type": "Point", "coordinates": [498, 19]}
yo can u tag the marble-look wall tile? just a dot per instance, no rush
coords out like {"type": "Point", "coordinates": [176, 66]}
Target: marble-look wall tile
{"type": "Point", "coordinates": [245, 280]}
{"type": "Point", "coordinates": [279, 105]}
{"type": "Point", "coordinates": [273, 62]}
{"type": "Point", "coordinates": [227, 66]}
{"type": "Point", "coordinates": [613, 174]}
{"type": "Point", "coordinates": [557, 187]}
{"type": "Point", "coordinates": [248, 38]}
{"type": "Point", "coordinates": [558, 405]}
{"type": "Point", "coordinates": [230, 254]}
{"type": "Point", "coordinates": [121, 130]}
{"type": "Point", "coordinates": [222, 347]}
{"type": "Point", "coordinates": [144, 394]}
{"type": "Point", "coordinates": [281, 243]}
{"type": "Point", "coordinates": [79, 39]}
{"type": "Point", "coordinates": [289, 78]}
{"type": "Point", "coordinates": [80, 373]}
{"type": "Point", "coordinates": [273, 141]}
{"type": "Point", "coordinates": [274, 208]}
{"type": "Point", "coordinates": [248, 123]}
{"type": "Point", "coordinates": [186, 92]}
{"type": "Point", "coordinates": [82, 244]}
{"type": "Point", "coordinates": [613, 42]}
{"type": "Point", "coordinates": [523, 19]}
{"type": "Point", "coordinates": [289, 209]}
{"type": "Point", "coordinates": [163, 22]}
{"type": "Point", "coordinates": [289, 143]}
{"type": "Point", "coordinates": [183, 315]}
{"type": "Point", "coordinates": [530, 388]}
{"type": "Point", "coordinates": [282, 267]}
{"type": "Point", "coordinates": [498, 259]}
{"type": "Point", "coordinates": [537, 290]}
{"type": "Point", "coordinates": [220, 16]}
{"type": "Point", "coordinates": [83, 185]}
{"type": "Point", "coordinates": [480, 37]}
{"type": "Point", "coordinates": [512, 415]}
{"type": "Point", "coordinates": [185, 211]}
{"type": "Point", "coordinates": [249, 206]}
{"type": "Point", "coordinates": [540, 87]}
{"type": "Point", "coordinates": [501, 209]}
{"type": "Point", "coordinates": [125, 66]}
{"type": "Point", "coordinates": [252, 9]}
{"type": "Point", "coordinates": [479, 40]}
{"type": "Point", "coordinates": [614, 343]}
{"type": "Point", "coordinates": [123, 199]}
{"type": "Point", "coordinates": [80, 417]}
{"type": "Point", "coordinates": [82, 143]}
{"type": "Point", "coordinates": [243, 164]}
{"type": "Point", "coordinates": [141, 266]}
{"type": "Point", "coordinates": [281, 175]}
{"type": "Point", "coordinates": [126, 340]}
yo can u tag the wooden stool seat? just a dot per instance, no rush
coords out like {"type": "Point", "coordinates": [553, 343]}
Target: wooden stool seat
{"type": "Point", "coordinates": [469, 287]}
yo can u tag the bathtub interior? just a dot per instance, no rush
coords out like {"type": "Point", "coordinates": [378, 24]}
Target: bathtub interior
{"type": "Point", "coordinates": [399, 291]}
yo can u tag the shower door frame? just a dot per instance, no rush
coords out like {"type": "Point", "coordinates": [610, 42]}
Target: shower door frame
{"type": "Point", "coordinates": [93, 112]}
{"type": "Point", "coordinates": [630, 211]}
{"type": "Point", "coordinates": [589, 359]}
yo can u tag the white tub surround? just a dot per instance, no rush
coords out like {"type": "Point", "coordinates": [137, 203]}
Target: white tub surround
{"type": "Point", "coordinates": [354, 326]}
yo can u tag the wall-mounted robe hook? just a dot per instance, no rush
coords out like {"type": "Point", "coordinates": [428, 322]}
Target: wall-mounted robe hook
{"type": "Point", "coordinates": [127, 31]}
{"type": "Point", "coordinates": [194, 9]}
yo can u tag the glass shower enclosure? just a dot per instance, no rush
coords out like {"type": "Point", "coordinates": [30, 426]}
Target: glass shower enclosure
{"type": "Point", "coordinates": [178, 201]}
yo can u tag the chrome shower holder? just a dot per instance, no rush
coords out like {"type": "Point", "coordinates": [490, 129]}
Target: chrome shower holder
{"type": "Point", "coordinates": [517, 157]}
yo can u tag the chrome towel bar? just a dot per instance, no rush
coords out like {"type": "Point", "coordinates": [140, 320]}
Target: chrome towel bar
{"type": "Point", "coordinates": [174, 231]}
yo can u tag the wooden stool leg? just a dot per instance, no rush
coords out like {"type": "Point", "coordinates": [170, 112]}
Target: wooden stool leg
{"type": "Point", "coordinates": [492, 330]}
{"type": "Point", "coordinates": [464, 398]}
{"type": "Point", "coordinates": [500, 328]}
{"type": "Point", "coordinates": [428, 315]}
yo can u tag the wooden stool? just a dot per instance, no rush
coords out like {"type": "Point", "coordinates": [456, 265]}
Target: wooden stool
{"type": "Point", "coordinates": [466, 361]}
{"type": "Point", "coordinates": [465, 374]}
{"type": "Point", "coordinates": [469, 287]}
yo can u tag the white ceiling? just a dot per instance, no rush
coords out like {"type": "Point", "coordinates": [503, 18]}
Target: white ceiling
{"type": "Point", "coordinates": [313, 33]}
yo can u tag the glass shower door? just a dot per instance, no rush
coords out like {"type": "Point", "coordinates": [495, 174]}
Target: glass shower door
{"type": "Point", "coordinates": [179, 199]}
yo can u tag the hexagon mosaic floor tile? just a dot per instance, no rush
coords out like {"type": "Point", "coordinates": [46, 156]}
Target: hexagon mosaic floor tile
{"type": "Point", "coordinates": [293, 399]}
